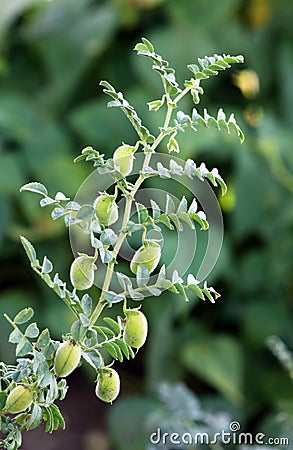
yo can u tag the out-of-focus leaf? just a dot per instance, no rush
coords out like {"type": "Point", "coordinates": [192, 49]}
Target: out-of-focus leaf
{"type": "Point", "coordinates": [274, 317]}
{"type": "Point", "coordinates": [133, 424]}
{"type": "Point", "coordinates": [112, 123]}
{"type": "Point", "coordinates": [251, 194]}
{"type": "Point", "coordinates": [11, 176]}
{"type": "Point", "coordinates": [218, 361]}
{"type": "Point", "coordinates": [67, 53]}
{"type": "Point", "coordinates": [10, 10]}
{"type": "Point", "coordinates": [5, 214]}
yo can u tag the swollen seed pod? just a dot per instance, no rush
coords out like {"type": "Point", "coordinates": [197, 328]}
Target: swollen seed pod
{"type": "Point", "coordinates": [136, 328]}
{"type": "Point", "coordinates": [19, 399]}
{"type": "Point", "coordinates": [82, 272]}
{"type": "Point", "coordinates": [108, 385]}
{"type": "Point", "coordinates": [148, 255]}
{"type": "Point", "coordinates": [106, 209]}
{"type": "Point", "coordinates": [67, 358]}
{"type": "Point", "coordinates": [123, 159]}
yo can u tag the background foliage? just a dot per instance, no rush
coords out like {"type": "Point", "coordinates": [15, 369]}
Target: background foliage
{"type": "Point", "coordinates": [52, 55]}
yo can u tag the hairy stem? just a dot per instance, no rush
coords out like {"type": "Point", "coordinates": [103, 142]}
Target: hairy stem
{"type": "Point", "coordinates": [13, 324]}
{"type": "Point", "coordinates": [127, 212]}
{"type": "Point", "coordinates": [182, 94]}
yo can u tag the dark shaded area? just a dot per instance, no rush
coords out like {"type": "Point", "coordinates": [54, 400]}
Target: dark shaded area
{"type": "Point", "coordinates": [85, 421]}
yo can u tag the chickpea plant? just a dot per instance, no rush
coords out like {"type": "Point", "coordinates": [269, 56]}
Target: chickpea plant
{"type": "Point", "coordinates": [29, 389]}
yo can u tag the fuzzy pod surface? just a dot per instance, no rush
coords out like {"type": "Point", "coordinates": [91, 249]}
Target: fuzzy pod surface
{"type": "Point", "coordinates": [136, 328]}
{"type": "Point", "coordinates": [106, 209]}
{"type": "Point", "coordinates": [148, 255]}
{"type": "Point", "coordinates": [82, 272]}
{"type": "Point", "coordinates": [108, 385]}
{"type": "Point", "coordinates": [19, 399]}
{"type": "Point", "coordinates": [67, 358]}
{"type": "Point", "coordinates": [123, 159]}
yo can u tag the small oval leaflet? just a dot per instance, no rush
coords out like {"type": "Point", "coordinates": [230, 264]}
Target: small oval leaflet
{"type": "Point", "coordinates": [24, 316]}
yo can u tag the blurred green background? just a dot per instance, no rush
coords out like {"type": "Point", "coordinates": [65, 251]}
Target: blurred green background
{"type": "Point", "coordinates": [52, 56]}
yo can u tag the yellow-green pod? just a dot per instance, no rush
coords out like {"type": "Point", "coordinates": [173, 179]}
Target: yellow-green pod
{"type": "Point", "coordinates": [19, 399]}
{"type": "Point", "coordinates": [108, 385]}
{"type": "Point", "coordinates": [106, 209]}
{"type": "Point", "coordinates": [148, 255]}
{"type": "Point", "coordinates": [135, 329]}
{"type": "Point", "coordinates": [82, 272]}
{"type": "Point", "coordinates": [67, 358]}
{"type": "Point", "coordinates": [123, 159]}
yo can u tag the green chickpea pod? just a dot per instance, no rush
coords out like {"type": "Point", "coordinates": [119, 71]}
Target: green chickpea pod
{"type": "Point", "coordinates": [136, 328]}
{"type": "Point", "coordinates": [82, 272]}
{"type": "Point", "coordinates": [123, 159]}
{"type": "Point", "coordinates": [19, 399]}
{"type": "Point", "coordinates": [108, 385]}
{"type": "Point", "coordinates": [106, 209]}
{"type": "Point", "coordinates": [148, 255]}
{"type": "Point", "coordinates": [67, 358]}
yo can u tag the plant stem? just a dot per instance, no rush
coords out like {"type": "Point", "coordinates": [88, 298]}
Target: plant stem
{"type": "Point", "coordinates": [129, 199]}
{"type": "Point", "coordinates": [183, 93]}
{"type": "Point", "coordinates": [13, 324]}
{"type": "Point", "coordinates": [9, 320]}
